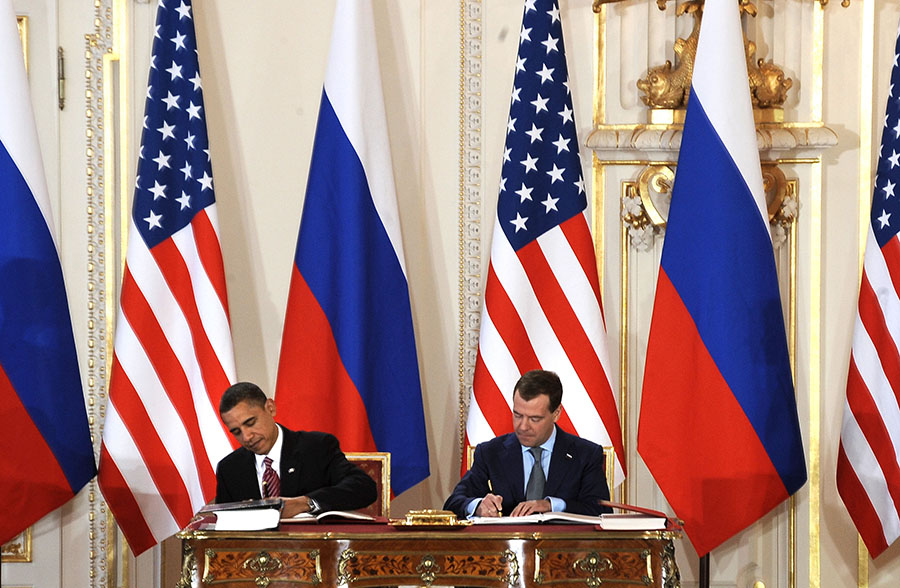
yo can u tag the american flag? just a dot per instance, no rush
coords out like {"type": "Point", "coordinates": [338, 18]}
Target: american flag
{"type": "Point", "coordinates": [868, 468]}
{"type": "Point", "coordinates": [542, 306]}
{"type": "Point", "coordinates": [173, 356]}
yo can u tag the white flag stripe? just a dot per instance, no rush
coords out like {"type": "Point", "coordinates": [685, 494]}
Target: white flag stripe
{"type": "Point", "coordinates": [349, 78]}
{"type": "Point", "coordinates": [165, 418]}
{"type": "Point", "coordinates": [123, 451]}
{"type": "Point", "coordinates": [213, 317]}
{"type": "Point", "coordinates": [730, 113]}
{"type": "Point", "coordinates": [477, 428]}
{"type": "Point", "coordinates": [868, 472]}
{"type": "Point", "coordinates": [500, 363]}
{"type": "Point", "coordinates": [577, 288]}
{"type": "Point", "coordinates": [865, 354]}
{"type": "Point", "coordinates": [880, 279]}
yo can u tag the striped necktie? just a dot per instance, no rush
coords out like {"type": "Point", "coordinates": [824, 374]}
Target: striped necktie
{"type": "Point", "coordinates": [271, 483]}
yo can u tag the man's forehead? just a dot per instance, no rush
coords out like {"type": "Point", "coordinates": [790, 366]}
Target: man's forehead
{"type": "Point", "coordinates": [540, 404]}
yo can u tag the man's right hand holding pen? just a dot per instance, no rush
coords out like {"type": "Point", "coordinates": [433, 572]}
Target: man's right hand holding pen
{"type": "Point", "coordinates": [491, 506]}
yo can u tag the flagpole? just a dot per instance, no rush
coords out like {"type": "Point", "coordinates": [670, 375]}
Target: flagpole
{"type": "Point", "coordinates": [704, 571]}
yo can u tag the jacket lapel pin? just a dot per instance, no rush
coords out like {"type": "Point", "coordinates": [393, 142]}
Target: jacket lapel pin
{"type": "Point", "coordinates": [568, 456]}
{"type": "Point", "coordinates": [290, 471]}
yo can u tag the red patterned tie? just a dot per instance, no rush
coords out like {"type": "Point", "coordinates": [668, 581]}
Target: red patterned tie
{"type": "Point", "coordinates": [271, 483]}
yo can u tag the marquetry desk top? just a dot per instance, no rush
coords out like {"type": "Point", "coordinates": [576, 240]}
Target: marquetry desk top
{"type": "Point", "coordinates": [365, 555]}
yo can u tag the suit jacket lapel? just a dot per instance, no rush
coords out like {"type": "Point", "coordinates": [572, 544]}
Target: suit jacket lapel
{"type": "Point", "coordinates": [560, 462]}
{"type": "Point", "coordinates": [512, 463]}
{"type": "Point", "coordinates": [291, 463]}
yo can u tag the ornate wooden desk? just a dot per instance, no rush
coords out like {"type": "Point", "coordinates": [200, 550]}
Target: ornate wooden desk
{"type": "Point", "coordinates": [365, 555]}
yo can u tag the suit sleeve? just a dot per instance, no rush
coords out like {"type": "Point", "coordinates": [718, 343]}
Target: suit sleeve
{"type": "Point", "coordinates": [347, 486]}
{"type": "Point", "coordinates": [592, 484]}
{"type": "Point", "coordinates": [474, 484]}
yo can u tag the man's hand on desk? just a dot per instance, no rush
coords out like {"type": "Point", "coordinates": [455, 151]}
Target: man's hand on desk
{"type": "Point", "coordinates": [294, 506]}
{"type": "Point", "coordinates": [531, 507]}
{"type": "Point", "coordinates": [490, 506]}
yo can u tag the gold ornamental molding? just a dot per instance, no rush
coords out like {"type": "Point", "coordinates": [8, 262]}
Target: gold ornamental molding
{"type": "Point", "coordinates": [427, 567]}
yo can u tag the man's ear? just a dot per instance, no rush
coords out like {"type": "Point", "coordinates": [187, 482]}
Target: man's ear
{"type": "Point", "coordinates": [270, 406]}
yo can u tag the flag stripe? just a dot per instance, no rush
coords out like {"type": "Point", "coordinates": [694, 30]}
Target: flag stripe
{"type": "Point", "coordinates": [209, 254]}
{"type": "Point", "coordinates": [579, 237]}
{"type": "Point", "coordinates": [29, 497]}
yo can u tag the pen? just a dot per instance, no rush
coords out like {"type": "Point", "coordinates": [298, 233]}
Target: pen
{"type": "Point", "coordinates": [491, 490]}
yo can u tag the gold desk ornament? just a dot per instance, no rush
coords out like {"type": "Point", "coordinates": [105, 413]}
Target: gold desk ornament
{"type": "Point", "coordinates": [430, 518]}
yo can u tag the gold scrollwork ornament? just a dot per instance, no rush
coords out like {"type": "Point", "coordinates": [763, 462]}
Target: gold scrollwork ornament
{"type": "Point", "coordinates": [428, 569]}
{"type": "Point", "coordinates": [593, 565]}
{"type": "Point", "coordinates": [344, 575]}
{"type": "Point", "coordinates": [188, 566]}
{"type": "Point", "coordinates": [263, 564]}
{"type": "Point", "coordinates": [512, 577]}
{"type": "Point", "coordinates": [671, 577]}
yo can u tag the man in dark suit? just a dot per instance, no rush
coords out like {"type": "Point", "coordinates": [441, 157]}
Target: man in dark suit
{"type": "Point", "coordinates": [539, 467]}
{"type": "Point", "coordinates": [306, 468]}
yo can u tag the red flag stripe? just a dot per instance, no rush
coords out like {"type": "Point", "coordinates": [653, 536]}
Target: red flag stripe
{"type": "Point", "coordinates": [129, 517]}
{"type": "Point", "coordinates": [857, 501]}
{"type": "Point", "coordinates": [579, 237]}
{"type": "Point", "coordinates": [209, 252]}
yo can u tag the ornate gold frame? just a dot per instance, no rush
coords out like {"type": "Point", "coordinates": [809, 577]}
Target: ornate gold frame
{"type": "Point", "coordinates": [17, 549]}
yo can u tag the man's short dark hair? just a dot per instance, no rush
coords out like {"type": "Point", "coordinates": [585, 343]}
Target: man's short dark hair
{"type": "Point", "coordinates": [241, 392]}
{"type": "Point", "coordinates": [536, 382]}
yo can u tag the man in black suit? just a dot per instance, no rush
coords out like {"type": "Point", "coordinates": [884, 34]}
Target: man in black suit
{"type": "Point", "coordinates": [509, 473]}
{"type": "Point", "coordinates": [308, 467]}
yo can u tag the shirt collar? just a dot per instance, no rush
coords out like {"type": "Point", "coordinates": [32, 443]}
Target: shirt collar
{"type": "Point", "coordinates": [546, 445]}
{"type": "Point", "coordinates": [274, 453]}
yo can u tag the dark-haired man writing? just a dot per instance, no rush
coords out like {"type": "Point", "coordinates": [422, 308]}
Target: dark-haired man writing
{"type": "Point", "coordinates": [306, 468]}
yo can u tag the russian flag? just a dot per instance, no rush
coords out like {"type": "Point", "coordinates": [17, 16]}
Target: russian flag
{"type": "Point", "coordinates": [718, 426]}
{"type": "Point", "coordinates": [348, 355]}
{"type": "Point", "coordinates": [46, 454]}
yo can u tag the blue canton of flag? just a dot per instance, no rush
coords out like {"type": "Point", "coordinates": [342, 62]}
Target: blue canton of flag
{"type": "Point", "coordinates": [541, 184]}
{"type": "Point", "coordinates": [885, 206]}
{"type": "Point", "coordinates": [174, 171]}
